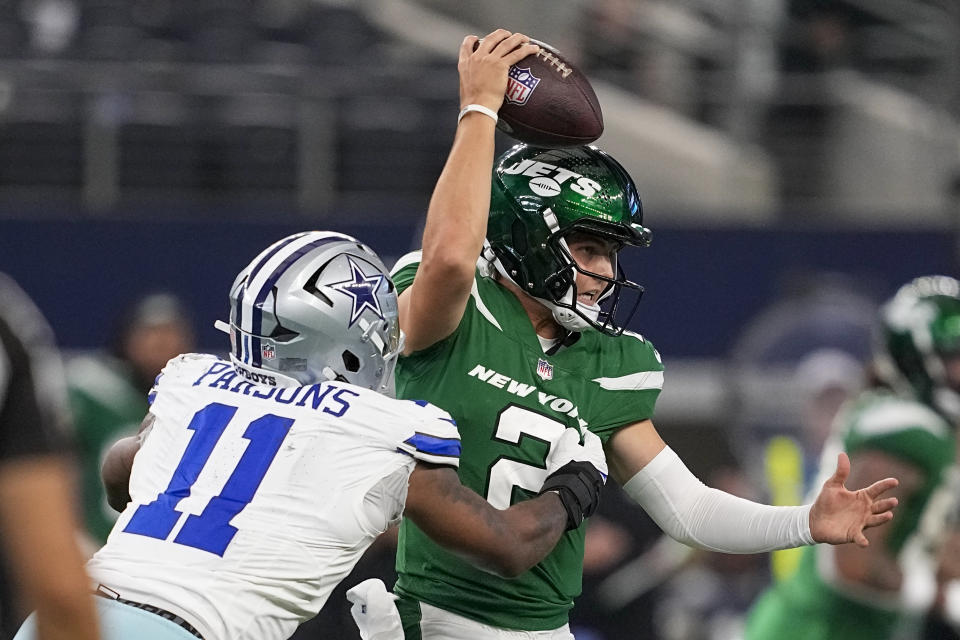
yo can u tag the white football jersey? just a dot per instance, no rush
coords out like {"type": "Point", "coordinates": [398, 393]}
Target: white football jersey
{"type": "Point", "coordinates": [250, 502]}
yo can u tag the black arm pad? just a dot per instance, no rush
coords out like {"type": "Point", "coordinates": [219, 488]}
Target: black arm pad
{"type": "Point", "coordinates": [578, 484]}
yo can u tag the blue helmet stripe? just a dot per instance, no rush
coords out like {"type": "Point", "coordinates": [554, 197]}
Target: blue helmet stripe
{"type": "Point", "coordinates": [269, 254]}
{"type": "Point", "coordinates": [268, 285]}
{"type": "Point", "coordinates": [257, 267]}
{"type": "Point", "coordinates": [238, 322]}
{"type": "Point", "coordinates": [255, 351]}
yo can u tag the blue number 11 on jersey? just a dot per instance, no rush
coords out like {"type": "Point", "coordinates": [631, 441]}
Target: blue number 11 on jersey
{"type": "Point", "coordinates": [211, 530]}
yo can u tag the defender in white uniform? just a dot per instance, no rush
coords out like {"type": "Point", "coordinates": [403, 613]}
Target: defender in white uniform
{"type": "Point", "coordinates": [256, 484]}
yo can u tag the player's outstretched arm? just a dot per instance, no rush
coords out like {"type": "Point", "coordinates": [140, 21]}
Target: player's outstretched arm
{"type": "Point", "coordinates": [839, 515]}
{"type": "Point", "coordinates": [456, 223]}
{"type": "Point", "coordinates": [700, 516]}
{"type": "Point", "coordinates": [509, 541]}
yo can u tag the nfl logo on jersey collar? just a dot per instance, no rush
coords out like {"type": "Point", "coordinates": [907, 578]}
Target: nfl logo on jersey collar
{"type": "Point", "coordinates": [544, 369]}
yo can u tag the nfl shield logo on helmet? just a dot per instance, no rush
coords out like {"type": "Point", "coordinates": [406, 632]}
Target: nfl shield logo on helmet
{"type": "Point", "coordinates": [544, 369]}
{"type": "Point", "coordinates": [520, 85]}
{"type": "Point", "coordinates": [268, 351]}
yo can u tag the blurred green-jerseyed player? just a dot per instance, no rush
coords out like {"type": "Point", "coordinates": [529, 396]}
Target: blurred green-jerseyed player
{"type": "Point", "coordinates": [903, 425]}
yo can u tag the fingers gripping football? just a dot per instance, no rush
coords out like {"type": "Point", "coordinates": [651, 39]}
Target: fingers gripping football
{"type": "Point", "coordinates": [577, 473]}
{"type": "Point", "coordinates": [483, 66]}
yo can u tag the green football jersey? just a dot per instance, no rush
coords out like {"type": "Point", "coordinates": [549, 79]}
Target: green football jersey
{"type": "Point", "coordinates": [511, 402]}
{"type": "Point", "coordinates": [106, 406]}
{"type": "Point", "coordinates": [810, 605]}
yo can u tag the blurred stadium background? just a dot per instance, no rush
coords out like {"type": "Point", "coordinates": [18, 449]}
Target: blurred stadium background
{"type": "Point", "coordinates": [798, 160]}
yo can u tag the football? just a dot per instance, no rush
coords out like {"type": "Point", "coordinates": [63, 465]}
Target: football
{"type": "Point", "coordinates": [549, 102]}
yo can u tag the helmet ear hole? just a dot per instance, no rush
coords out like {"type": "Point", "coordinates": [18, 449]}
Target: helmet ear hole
{"type": "Point", "coordinates": [351, 362]}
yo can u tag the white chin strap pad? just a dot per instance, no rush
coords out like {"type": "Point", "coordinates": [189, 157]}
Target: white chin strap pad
{"type": "Point", "coordinates": [566, 317]}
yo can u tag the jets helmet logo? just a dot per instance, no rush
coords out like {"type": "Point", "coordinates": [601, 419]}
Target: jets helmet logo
{"type": "Point", "coordinates": [363, 289]}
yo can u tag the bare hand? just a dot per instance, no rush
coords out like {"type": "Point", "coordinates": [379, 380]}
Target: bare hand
{"type": "Point", "coordinates": [483, 73]}
{"type": "Point", "coordinates": [840, 515]}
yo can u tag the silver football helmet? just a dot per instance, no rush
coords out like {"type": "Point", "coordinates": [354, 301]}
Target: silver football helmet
{"type": "Point", "coordinates": [315, 306]}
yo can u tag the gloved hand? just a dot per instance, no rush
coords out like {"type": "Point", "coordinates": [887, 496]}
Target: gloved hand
{"type": "Point", "coordinates": [374, 611]}
{"type": "Point", "coordinates": [577, 473]}
{"type": "Point", "coordinates": [568, 448]}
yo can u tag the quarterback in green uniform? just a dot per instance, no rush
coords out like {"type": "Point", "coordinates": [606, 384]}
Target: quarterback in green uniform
{"type": "Point", "coordinates": [903, 424]}
{"type": "Point", "coordinates": [512, 319]}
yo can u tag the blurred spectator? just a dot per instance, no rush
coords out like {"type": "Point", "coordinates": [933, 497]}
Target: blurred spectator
{"type": "Point", "coordinates": [641, 583]}
{"type": "Point", "coordinates": [108, 392]}
{"type": "Point", "coordinates": [796, 363]}
{"type": "Point", "coordinates": [710, 594]}
{"type": "Point", "coordinates": [825, 379]}
{"type": "Point", "coordinates": [37, 525]}
{"type": "Point", "coordinates": [819, 37]}
{"type": "Point", "coordinates": [53, 24]}
{"type": "Point", "coordinates": [619, 551]}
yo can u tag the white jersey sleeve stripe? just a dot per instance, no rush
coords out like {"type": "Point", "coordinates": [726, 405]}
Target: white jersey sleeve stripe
{"type": "Point", "coordinates": [633, 382]}
{"type": "Point", "coordinates": [406, 260]}
{"type": "Point", "coordinates": [481, 307]}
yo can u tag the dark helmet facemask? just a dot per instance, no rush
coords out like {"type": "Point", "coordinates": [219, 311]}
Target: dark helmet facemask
{"type": "Point", "coordinates": [559, 291]}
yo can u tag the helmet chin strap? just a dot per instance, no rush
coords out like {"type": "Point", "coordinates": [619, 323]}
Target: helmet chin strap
{"type": "Point", "coordinates": [565, 316]}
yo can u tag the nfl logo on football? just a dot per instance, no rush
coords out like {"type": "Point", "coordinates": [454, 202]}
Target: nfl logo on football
{"type": "Point", "coordinates": [544, 369]}
{"type": "Point", "coordinates": [520, 85]}
{"type": "Point", "coordinates": [268, 351]}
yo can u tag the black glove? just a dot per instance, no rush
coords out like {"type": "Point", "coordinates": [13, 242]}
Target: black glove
{"type": "Point", "coordinates": [578, 484]}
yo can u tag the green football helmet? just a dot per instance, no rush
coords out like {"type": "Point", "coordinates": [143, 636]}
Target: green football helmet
{"type": "Point", "coordinates": [542, 196]}
{"type": "Point", "coordinates": [920, 329]}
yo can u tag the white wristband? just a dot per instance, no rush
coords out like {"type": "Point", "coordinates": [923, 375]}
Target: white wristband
{"type": "Point", "coordinates": [477, 107]}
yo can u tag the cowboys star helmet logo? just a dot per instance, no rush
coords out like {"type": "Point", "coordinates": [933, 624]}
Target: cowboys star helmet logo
{"type": "Point", "coordinates": [363, 289]}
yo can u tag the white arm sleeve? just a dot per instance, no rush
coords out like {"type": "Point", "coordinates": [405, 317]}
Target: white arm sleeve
{"type": "Point", "coordinates": [697, 515]}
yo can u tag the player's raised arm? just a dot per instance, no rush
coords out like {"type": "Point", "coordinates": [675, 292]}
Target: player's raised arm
{"type": "Point", "coordinates": [510, 541]}
{"type": "Point", "coordinates": [457, 216]}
